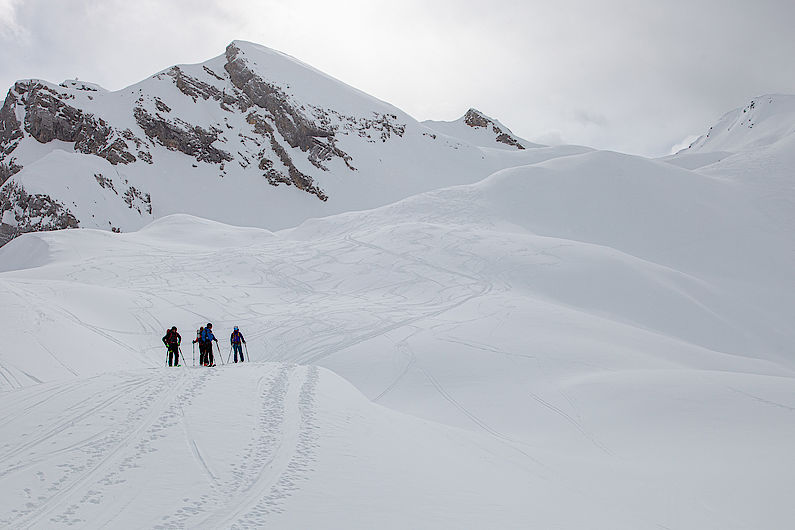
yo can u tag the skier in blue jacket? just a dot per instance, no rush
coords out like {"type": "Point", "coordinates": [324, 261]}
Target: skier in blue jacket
{"type": "Point", "coordinates": [236, 339]}
{"type": "Point", "coordinates": [207, 338]}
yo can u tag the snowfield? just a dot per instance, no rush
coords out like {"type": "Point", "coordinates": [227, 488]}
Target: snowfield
{"type": "Point", "coordinates": [594, 341]}
{"type": "Point", "coordinates": [469, 331]}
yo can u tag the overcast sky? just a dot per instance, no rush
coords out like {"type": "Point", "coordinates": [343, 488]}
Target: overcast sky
{"type": "Point", "coordinates": [636, 76]}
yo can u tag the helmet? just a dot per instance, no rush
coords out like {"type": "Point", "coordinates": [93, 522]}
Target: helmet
{"type": "Point", "coordinates": [209, 325]}
{"type": "Point", "coordinates": [174, 328]}
{"type": "Point", "coordinates": [235, 328]}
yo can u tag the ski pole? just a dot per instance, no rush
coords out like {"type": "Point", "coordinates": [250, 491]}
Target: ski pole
{"type": "Point", "coordinates": [182, 356]}
{"type": "Point", "coordinates": [230, 354]}
{"type": "Point", "coordinates": [194, 353]}
{"type": "Point", "coordinates": [221, 355]}
{"type": "Point", "coordinates": [241, 353]}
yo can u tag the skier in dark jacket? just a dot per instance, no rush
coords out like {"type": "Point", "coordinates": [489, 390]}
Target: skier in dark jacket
{"type": "Point", "coordinates": [207, 338]}
{"type": "Point", "coordinates": [172, 341]}
{"type": "Point", "coordinates": [236, 339]}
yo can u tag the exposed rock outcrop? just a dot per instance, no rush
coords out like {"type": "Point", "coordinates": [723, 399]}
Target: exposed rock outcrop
{"type": "Point", "coordinates": [178, 135]}
{"type": "Point", "coordinates": [194, 88]}
{"type": "Point", "coordinates": [22, 212]}
{"type": "Point", "coordinates": [10, 126]}
{"type": "Point", "coordinates": [48, 118]}
{"type": "Point", "coordinates": [7, 170]}
{"type": "Point", "coordinates": [474, 118]}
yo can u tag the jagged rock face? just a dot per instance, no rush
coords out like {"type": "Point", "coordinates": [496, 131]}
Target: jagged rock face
{"type": "Point", "coordinates": [10, 127]}
{"type": "Point", "coordinates": [474, 118]}
{"type": "Point", "coordinates": [31, 213]}
{"type": "Point", "coordinates": [290, 122]}
{"type": "Point", "coordinates": [180, 136]}
{"type": "Point", "coordinates": [195, 88]}
{"type": "Point", "coordinates": [7, 170]}
{"type": "Point", "coordinates": [48, 118]}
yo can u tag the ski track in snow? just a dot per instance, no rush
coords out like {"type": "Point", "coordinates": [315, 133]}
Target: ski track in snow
{"type": "Point", "coordinates": [481, 287]}
{"type": "Point", "coordinates": [98, 458]}
{"type": "Point", "coordinates": [82, 464]}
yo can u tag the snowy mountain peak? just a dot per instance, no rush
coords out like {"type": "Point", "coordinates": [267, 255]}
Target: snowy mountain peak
{"type": "Point", "coordinates": [764, 121]}
{"type": "Point", "coordinates": [479, 129]}
{"type": "Point", "coordinates": [251, 137]}
{"type": "Point", "coordinates": [476, 119]}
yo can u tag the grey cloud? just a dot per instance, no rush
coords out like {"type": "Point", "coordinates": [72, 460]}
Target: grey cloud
{"type": "Point", "coordinates": [586, 117]}
{"type": "Point", "coordinates": [659, 70]}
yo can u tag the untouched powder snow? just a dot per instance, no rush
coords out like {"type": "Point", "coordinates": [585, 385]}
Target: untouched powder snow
{"type": "Point", "coordinates": [591, 341]}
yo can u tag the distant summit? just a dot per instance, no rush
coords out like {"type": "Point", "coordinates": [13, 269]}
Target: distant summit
{"type": "Point", "coordinates": [763, 122]}
{"type": "Point", "coordinates": [479, 129]}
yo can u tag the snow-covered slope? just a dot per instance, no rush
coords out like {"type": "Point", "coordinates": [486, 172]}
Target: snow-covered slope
{"type": "Point", "coordinates": [596, 341]}
{"type": "Point", "coordinates": [753, 147]}
{"type": "Point", "coordinates": [542, 338]}
{"type": "Point", "coordinates": [764, 129]}
{"type": "Point", "coordinates": [764, 121]}
{"type": "Point", "coordinates": [252, 137]}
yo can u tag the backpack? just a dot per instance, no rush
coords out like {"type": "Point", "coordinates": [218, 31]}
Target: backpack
{"type": "Point", "coordinates": [171, 337]}
{"type": "Point", "coordinates": [206, 334]}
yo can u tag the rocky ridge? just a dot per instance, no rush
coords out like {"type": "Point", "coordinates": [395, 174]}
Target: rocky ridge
{"type": "Point", "coordinates": [476, 119]}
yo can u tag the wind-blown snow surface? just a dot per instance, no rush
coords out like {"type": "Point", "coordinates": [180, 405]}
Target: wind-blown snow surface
{"type": "Point", "coordinates": [594, 341]}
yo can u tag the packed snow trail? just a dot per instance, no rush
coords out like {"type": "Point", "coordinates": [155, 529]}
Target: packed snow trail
{"type": "Point", "coordinates": [243, 446]}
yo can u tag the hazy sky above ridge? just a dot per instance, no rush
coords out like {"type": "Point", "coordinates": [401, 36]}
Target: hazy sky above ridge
{"type": "Point", "coordinates": [633, 76]}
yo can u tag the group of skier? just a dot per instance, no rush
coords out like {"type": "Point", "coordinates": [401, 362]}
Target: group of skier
{"type": "Point", "coordinates": [205, 339]}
